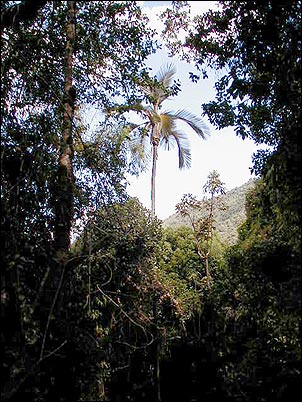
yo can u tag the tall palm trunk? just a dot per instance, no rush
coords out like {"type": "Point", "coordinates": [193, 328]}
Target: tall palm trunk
{"type": "Point", "coordinates": [64, 193]}
{"type": "Point", "coordinates": [155, 143]}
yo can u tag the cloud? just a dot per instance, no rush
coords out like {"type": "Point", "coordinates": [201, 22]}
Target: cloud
{"type": "Point", "coordinates": [200, 7]}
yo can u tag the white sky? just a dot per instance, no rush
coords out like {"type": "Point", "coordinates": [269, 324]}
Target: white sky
{"type": "Point", "coordinates": [222, 151]}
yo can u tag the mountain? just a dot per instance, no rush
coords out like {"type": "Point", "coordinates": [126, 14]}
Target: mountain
{"type": "Point", "coordinates": [228, 220]}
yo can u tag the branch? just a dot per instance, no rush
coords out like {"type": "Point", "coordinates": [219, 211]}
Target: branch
{"type": "Point", "coordinates": [120, 109]}
{"type": "Point", "coordinates": [127, 316]}
{"type": "Point", "coordinates": [50, 313]}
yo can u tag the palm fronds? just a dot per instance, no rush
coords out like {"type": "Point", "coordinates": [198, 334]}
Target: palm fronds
{"type": "Point", "coordinates": [165, 75]}
{"type": "Point", "coordinates": [159, 89]}
{"type": "Point", "coordinates": [184, 153]}
{"type": "Point", "coordinates": [195, 122]}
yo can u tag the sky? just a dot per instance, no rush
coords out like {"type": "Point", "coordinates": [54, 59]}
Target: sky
{"type": "Point", "coordinates": [223, 151]}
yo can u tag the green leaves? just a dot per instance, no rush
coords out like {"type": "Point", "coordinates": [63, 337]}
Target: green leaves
{"type": "Point", "coordinates": [255, 47]}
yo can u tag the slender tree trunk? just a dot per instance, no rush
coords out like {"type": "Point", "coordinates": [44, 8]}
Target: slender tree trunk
{"type": "Point", "coordinates": [155, 143]}
{"type": "Point", "coordinates": [64, 190]}
{"type": "Point", "coordinates": [153, 180]}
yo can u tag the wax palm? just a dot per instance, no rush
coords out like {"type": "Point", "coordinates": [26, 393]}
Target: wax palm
{"type": "Point", "coordinates": [161, 126]}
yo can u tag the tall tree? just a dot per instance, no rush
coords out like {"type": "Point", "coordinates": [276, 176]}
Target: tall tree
{"type": "Point", "coordinates": [161, 125]}
{"type": "Point", "coordinates": [39, 79]}
{"type": "Point", "coordinates": [202, 216]}
{"type": "Point", "coordinates": [65, 182]}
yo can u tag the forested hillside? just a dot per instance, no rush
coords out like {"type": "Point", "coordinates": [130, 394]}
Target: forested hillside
{"type": "Point", "coordinates": [228, 220]}
{"type": "Point", "coordinates": [131, 310]}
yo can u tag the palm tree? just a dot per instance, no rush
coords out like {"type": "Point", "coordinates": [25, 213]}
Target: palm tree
{"type": "Point", "coordinates": [160, 126]}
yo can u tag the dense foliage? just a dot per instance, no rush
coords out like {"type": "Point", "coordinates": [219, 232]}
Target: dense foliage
{"type": "Point", "coordinates": [256, 46]}
{"type": "Point", "coordinates": [126, 313]}
{"type": "Point", "coordinates": [129, 306]}
{"type": "Point", "coordinates": [40, 335]}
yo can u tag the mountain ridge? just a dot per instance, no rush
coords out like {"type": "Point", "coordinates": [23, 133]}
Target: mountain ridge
{"type": "Point", "coordinates": [227, 221]}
